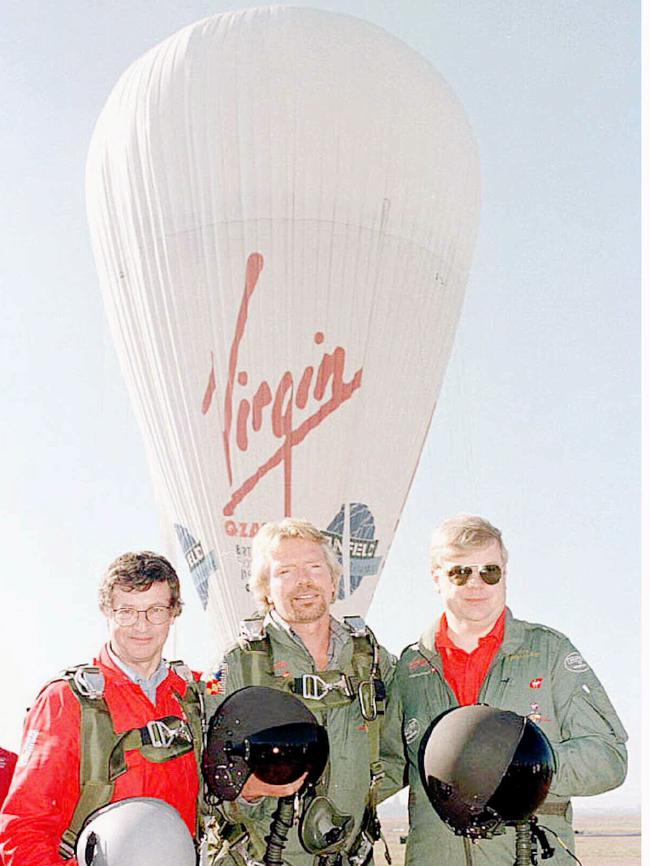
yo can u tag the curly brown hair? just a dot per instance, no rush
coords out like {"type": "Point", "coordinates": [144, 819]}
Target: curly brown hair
{"type": "Point", "coordinates": [138, 572]}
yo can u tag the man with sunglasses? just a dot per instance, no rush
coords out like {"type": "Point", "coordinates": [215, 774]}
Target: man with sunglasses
{"type": "Point", "coordinates": [477, 652]}
{"type": "Point", "coordinates": [129, 725]}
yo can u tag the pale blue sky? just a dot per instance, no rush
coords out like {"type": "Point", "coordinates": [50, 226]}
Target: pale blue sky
{"type": "Point", "coordinates": [538, 423]}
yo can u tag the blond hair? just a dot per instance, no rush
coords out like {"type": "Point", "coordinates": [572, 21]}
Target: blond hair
{"type": "Point", "coordinates": [268, 538]}
{"type": "Point", "coordinates": [461, 533]}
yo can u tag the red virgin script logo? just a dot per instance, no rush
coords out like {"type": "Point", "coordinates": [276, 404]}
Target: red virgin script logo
{"type": "Point", "coordinates": [536, 683]}
{"type": "Point", "coordinates": [281, 408]}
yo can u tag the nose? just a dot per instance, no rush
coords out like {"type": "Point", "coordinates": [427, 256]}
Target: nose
{"type": "Point", "coordinates": [474, 579]}
{"type": "Point", "coordinates": [141, 623]}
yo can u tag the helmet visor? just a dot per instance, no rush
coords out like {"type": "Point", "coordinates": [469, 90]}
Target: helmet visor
{"type": "Point", "coordinates": [280, 755]}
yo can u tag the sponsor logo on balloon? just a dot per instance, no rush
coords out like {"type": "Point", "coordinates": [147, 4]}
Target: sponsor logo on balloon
{"type": "Point", "coordinates": [241, 528]}
{"type": "Point", "coordinates": [291, 408]}
{"type": "Point", "coordinates": [363, 544]}
{"type": "Point", "coordinates": [201, 565]}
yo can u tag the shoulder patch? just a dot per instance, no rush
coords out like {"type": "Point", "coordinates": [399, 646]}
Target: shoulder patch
{"type": "Point", "coordinates": [28, 747]}
{"type": "Point", "coordinates": [412, 730]}
{"type": "Point", "coordinates": [575, 663]}
{"type": "Point", "coordinates": [215, 682]}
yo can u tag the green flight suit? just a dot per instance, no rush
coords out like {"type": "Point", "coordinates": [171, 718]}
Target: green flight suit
{"type": "Point", "coordinates": [537, 672]}
{"type": "Point", "coordinates": [347, 777]}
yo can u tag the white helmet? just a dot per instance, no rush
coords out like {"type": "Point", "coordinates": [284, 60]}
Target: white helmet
{"type": "Point", "coordinates": [141, 831]}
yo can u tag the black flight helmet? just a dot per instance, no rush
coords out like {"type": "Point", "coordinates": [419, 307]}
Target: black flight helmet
{"type": "Point", "coordinates": [266, 732]}
{"type": "Point", "coordinates": [482, 767]}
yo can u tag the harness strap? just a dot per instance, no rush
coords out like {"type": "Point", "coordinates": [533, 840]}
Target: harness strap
{"type": "Point", "coordinates": [96, 784]}
{"type": "Point", "coordinates": [257, 662]}
{"type": "Point", "coordinates": [372, 699]}
{"type": "Point", "coordinates": [193, 704]}
{"type": "Point", "coordinates": [328, 689]}
{"type": "Point", "coordinates": [102, 750]}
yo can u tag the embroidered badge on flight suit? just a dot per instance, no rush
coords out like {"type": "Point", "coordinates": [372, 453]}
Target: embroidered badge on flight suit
{"type": "Point", "coordinates": [215, 684]}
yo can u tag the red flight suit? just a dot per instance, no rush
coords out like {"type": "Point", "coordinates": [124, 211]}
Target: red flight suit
{"type": "Point", "coordinates": [46, 785]}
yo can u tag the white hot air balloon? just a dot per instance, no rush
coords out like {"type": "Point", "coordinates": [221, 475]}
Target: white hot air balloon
{"type": "Point", "coordinates": [283, 205]}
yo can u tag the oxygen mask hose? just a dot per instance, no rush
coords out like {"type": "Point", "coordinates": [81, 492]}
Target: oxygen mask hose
{"type": "Point", "coordinates": [524, 844]}
{"type": "Point", "coordinates": [279, 831]}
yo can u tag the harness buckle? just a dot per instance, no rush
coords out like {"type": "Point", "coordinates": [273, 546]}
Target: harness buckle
{"type": "Point", "coordinates": [89, 682]}
{"type": "Point", "coordinates": [345, 685]}
{"type": "Point", "coordinates": [368, 700]}
{"type": "Point", "coordinates": [252, 629]}
{"type": "Point", "coordinates": [162, 736]}
{"type": "Point", "coordinates": [357, 625]}
{"type": "Point", "coordinates": [361, 854]}
{"type": "Point", "coordinates": [314, 688]}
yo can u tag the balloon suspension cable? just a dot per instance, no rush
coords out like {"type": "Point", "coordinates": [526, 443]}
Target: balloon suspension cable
{"type": "Point", "coordinates": [279, 831]}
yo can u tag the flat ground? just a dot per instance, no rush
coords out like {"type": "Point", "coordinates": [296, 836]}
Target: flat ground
{"type": "Point", "coordinates": [601, 840]}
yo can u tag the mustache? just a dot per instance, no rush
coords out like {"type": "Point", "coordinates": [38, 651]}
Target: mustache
{"type": "Point", "coordinates": [307, 589]}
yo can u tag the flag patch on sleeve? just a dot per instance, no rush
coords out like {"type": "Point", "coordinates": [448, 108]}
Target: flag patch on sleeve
{"type": "Point", "coordinates": [215, 683]}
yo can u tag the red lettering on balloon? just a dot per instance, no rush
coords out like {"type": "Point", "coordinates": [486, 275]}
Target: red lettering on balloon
{"type": "Point", "coordinates": [211, 388]}
{"type": "Point", "coordinates": [275, 407]}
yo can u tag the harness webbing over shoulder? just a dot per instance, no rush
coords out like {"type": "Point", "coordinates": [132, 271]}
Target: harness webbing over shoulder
{"type": "Point", "coordinates": [326, 689]}
{"type": "Point", "coordinates": [320, 692]}
{"type": "Point", "coordinates": [102, 751]}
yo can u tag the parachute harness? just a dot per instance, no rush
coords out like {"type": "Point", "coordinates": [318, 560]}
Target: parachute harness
{"type": "Point", "coordinates": [321, 692]}
{"type": "Point", "coordinates": [102, 750]}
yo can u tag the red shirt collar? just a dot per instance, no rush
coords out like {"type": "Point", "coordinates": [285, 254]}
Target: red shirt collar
{"type": "Point", "coordinates": [495, 635]}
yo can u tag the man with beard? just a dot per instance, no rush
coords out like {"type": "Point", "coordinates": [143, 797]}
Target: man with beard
{"type": "Point", "coordinates": [338, 671]}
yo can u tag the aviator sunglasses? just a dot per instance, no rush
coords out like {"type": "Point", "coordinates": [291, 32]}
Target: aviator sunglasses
{"type": "Point", "coordinates": [460, 574]}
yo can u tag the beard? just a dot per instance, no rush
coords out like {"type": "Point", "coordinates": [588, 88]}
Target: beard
{"type": "Point", "coordinates": [308, 612]}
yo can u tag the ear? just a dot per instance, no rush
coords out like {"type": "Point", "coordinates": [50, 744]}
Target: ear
{"type": "Point", "coordinates": [436, 579]}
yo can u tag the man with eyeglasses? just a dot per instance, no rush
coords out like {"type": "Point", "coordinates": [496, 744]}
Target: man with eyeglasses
{"type": "Point", "coordinates": [477, 652]}
{"type": "Point", "coordinates": [129, 725]}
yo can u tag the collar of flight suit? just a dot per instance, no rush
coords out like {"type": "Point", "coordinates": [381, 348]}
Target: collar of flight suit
{"type": "Point", "coordinates": [512, 639]}
{"type": "Point", "coordinates": [340, 640]}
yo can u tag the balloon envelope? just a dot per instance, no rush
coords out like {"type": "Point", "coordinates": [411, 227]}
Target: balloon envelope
{"type": "Point", "coordinates": [283, 205]}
